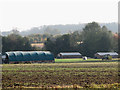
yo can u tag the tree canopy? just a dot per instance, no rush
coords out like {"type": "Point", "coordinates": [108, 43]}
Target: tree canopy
{"type": "Point", "coordinates": [14, 42]}
{"type": "Point", "coordinates": [92, 39]}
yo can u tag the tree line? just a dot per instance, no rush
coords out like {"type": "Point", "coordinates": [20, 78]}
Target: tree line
{"type": "Point", "coordinates": [15, 42]}
{"type": "Point", "coordinates": [93, 38]}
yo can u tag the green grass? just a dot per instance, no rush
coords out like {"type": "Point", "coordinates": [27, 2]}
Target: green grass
{"type": "Point", "coordinates": [75, 60]}
{"type": "Point", "coordinates": [81, 60]}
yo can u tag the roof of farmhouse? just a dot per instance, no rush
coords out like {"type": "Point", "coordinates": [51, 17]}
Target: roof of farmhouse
{"type": "Point", "coordinates": [70, 53]}
{"type": "Point", "coordinates": [105, 53]}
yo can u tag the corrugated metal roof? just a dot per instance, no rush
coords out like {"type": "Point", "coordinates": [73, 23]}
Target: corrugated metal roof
{"type": "Point", "coordinates": [105, 53]}
{"type": "Point", "coordinates": [70, 53]}
{"type": "Point", "coordinates": [29, 55]}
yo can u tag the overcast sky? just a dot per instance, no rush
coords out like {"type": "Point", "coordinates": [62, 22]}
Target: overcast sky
{"type": "Point", "coordinates": [25, 14]}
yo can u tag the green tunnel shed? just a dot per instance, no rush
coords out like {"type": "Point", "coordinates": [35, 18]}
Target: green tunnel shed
{"type": "Point", "coordinates": [29, 56]}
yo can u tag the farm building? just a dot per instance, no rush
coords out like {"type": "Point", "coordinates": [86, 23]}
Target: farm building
{"type": "Point", "coordinates": [39, 45]}
{"type": "Point", "coordinates": [29, 56]}
{"type": "Point", "coordinates": [69, 55]}
{"type": "Point", "coordinates": [102, 54]}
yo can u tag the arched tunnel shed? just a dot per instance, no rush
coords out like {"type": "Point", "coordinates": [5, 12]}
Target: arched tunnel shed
{"type": "Point", "coordinates": [29, 56]}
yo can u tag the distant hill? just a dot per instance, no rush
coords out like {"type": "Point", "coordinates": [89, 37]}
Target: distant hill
{"type": "Point", "coordinates": [62, 29]}
{"type": "Point", "coordinates": [111, 26]}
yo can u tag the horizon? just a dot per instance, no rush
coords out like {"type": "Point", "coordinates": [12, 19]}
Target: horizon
{"type": "Point", "coordinates": [25, 14]}
{"type": "Point", "coordinates": [55, 24]}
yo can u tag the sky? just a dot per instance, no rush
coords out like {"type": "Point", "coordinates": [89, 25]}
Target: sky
{"type": "Point", "coordinates": [25, 14]}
